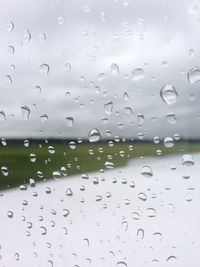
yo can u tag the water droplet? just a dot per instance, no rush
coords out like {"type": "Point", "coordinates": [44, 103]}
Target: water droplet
{"type": "Point", "coordinates": [109, 165]}
{"type": "Point", "coordinates": [10, 214]}
{"type": "Point", "coordinates": [147, 171]}
{"type": "Point", "coordinates": [4, 170]}
{"type": "Point", "coordinates": [25, 112]}
{"type": "Point", "coordinates": [61, 20]}
{"type": "Point", "coordinates": [124, 225]}
{"type": "Point", "coordinates": [56, 174]}
{"type": "Point", "coordinates": [194, 75]}
{"type": "Point", "coordinates": [3, 141]}
{"type": "Point", "coordinates": [168, 142]}
{"type": "Point", "coordinates": [122, 264]}
{"type": "Point", "coordinates": [44, 117]}
{"type": "Point", "coordinates": [94, 135]}
{"type": "Point", "coordinates": [70, 121]}
{"type": "Point", "coordinates": [142, 196]}
{"type": "Point", "coordinates": [171, 258]}
{"type": "Point", "coordinates": [32, 157]}
{"type": "Point", "coordinates": [67, 67]}
{"type": "Point", "coordinates": [2, 116]}
{"type": "Point", "coordinates": [151, 212]}
{"type": "Point", "coordinates": [44, 69]}
{"type": "Point", "coordinates": [140, 234]}
{"type": "Point", "coordinates": [187, 160]}
{"type": "Point", "coordinates": [11, 49]}
{"type": "Point", "coordinates": [108, 107]}
{"type": "Point", "coordinates": [10, 26]}
{"type": "Point", "coordinates": [65, 212]}
{"type": "Point", "coordinates": [72, 145]}
{"type": "Point", "coordinates": [26, 143]}
{"type": "Point", "coordinates": [103, 16]}
{"type": "Point", "coordinates": [156, 140]}
{"type": "Point", "coordinates": [51, 150]}
{"type": "Point", "coordinates": [43, 230]}
{"type": "Point", "coordinates": [26, 36]}
{"type": "Point", "coordinates": [168, 94]}
{"type": "Point", "coordinates": [171, 118]}
{"type": "Point", "coordinates": [16, 256]}
{"type": "Point", "coordinates": [138, 74]}
{"type": "Point", "coordinates": [115, 69]}
{"type": "Point", "coordinates": [140, 119]}
{"type": "Point", "coordinates": [68, 192]}
{"type": "Point", "coordinates": [42, 37]}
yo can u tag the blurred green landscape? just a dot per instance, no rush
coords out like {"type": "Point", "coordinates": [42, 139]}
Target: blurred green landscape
{"type": "Point", "coordinates": [55, 158]}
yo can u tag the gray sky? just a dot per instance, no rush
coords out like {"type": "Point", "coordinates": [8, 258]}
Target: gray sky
{"type": "Point", "coordinates": [91, 36]}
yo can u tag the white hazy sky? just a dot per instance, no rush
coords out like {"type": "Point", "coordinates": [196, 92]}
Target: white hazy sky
{"type": "Point", "coordinates": [91, 36]}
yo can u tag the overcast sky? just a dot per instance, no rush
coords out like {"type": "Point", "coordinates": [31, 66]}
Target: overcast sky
{"type": "Point", "coordinates": [160, 37]}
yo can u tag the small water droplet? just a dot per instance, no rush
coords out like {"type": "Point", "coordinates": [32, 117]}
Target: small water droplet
{"type": "Point", "coordinates": [194, 75]}
{"type": "Point", "coordinates": [147, 171]}
{"type": "Point", "coordinates": [10, 214]}
{"type": "Point", "coordinates": [2, 116]}
{"type": "Point", "coordinates": [68, 192]}
{"type": "Point", "coordinates": [5, 170]}
{"type": "Point", "coordinates": [67, 67]}
{"type": "Point", "coordinates": [32, 157]}
{"type": "Point", "coordinates": [61, 20]}
{"type": "Point", "coordinates": [168, 94]}
{"type": "Point", "coordinates": [44, 117]}
{"type": "Point", "coordinates": [44, 69]}
{"type": "Point", "coordinates": [72, 145]}
{"type": "Point", "coordinates": [65, 212]}
{"type": "Point", "coordinates": [171, 258]}
{"type": "Point", "coordinates": [108, 107]}
{"type": "Point", "coordinates": [140, 234]}
{"type": "Point", "coordinates": [121, 264]}
{"type": "Point", "coordinates": [168, 142]}
{"type": "Point", "coordinates": [26, 143]}
{"type": "Point", "coordinates": [109, 165]}
{"type": "Point", "coordinates": [138, 74]}
{"type": "Point", "coordinates": [51, 150]}
{"type": "Point", "coordinates": [115, 69]}
{"type": "Point", "coordinates": [94, 135]}
{"type": "Point", "coordinates": [103, 16]}
{"type": "Point", "coordinates": [10, 26]}
{"type": "Point", "coordinates": [26, 36]}
{"type": "Point", "coordinates": [171, 118]}
{"type": "Point", "coordinates": [187, 160]}
{"type": "Point", "coordinates": [142, 196]}
{"type": "Point", "coordinates": [70, 121]}
{"type": "Point", "coordinates": [25, 112]}
{"type": "Point", "coordinates": [43, 230]}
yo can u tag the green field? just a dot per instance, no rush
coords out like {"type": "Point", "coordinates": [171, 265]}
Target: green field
{"type": "Point", "coordinates": [86, 157]}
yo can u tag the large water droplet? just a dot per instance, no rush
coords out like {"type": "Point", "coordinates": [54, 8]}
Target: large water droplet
{"type": "Point", "coordinates": [94, 135]}
{"type": "Point", "coordinates": [168, 94]}
{"type": "Point", "coordinates": [194, 75]}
